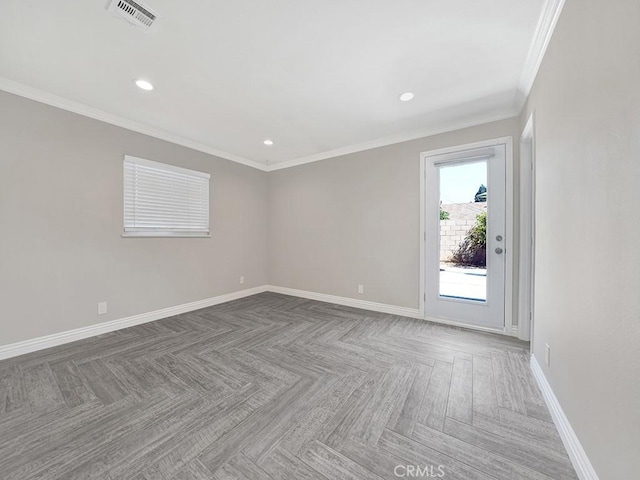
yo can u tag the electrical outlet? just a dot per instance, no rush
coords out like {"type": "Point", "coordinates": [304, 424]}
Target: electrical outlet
{"type": "Point", "coordinates": [102, 308]}
{"type": "Point", "coordinates": [360, 289]}
{"type": "Point", "coordinates": [547, 354]}
{"type": "Point", "coordinates": [241, 280]}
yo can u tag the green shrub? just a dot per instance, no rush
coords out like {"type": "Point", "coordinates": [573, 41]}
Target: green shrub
{"type": "Point", "coordinates": [444, 215]}
{"type": "Point", "coordinates": [473, 249]}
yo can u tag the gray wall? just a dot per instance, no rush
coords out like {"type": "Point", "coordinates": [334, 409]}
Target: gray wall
{"type": "Point", "coordinates": [587, 119]}
{"type": "Point", "coordinates": [355, 219]}
{"type": "Point", "coordinates": [61, 220]}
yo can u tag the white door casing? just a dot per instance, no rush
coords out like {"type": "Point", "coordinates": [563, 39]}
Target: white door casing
{"type": "Point", "coordinates": [494, 314]}
{"type": "Point", "coordinates": [527, 232]}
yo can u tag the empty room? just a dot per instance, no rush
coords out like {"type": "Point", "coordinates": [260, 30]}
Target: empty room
{"type": "Point", "coordinates": [351, 240]}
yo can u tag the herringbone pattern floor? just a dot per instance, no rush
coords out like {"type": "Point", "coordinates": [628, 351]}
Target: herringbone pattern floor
{"type": "Point", "coordinates": [276, 387]}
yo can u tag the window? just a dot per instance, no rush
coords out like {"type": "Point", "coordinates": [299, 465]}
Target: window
{"type": "Point", "coordinates": [162, 200]}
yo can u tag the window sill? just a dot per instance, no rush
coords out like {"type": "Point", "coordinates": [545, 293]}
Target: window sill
{"type": "Point", "coordinates": [164, 235]}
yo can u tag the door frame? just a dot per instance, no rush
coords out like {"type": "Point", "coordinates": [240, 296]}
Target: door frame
{"type": "Point", "coordinates": [527, 231]}
{"type": "Point", "coordinates": [508, 329]}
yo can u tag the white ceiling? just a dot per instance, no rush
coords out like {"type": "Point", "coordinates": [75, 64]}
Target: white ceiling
{"type": "Point", "coordinates": [317, 77]}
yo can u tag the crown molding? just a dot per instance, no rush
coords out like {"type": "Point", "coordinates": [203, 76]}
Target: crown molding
{"type": "Point", "coordinates": [81, 109]}
{"type": "Point", "coordinates": [391, 140]}
{"type": "Point", "coordinates": [542, 36]}
{"type": "Point", "coordinates": [69, 105]}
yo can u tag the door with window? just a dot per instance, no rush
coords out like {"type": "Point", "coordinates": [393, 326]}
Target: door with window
{"type": "Point", "coordinates": [465, 236]}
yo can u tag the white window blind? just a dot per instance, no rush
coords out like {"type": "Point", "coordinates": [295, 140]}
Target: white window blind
{"type": "Point", "coordinates": [164, 200]}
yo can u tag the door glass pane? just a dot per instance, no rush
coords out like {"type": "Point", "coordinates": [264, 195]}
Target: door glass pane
{"type": "Point", "coordinates": [463, 228]}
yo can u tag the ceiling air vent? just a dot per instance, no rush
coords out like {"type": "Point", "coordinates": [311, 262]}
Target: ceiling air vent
{"type": "Point", "coordinates": [134, 13]}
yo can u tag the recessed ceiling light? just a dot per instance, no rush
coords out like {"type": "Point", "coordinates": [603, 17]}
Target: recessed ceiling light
{"type": "Point", "coordinates": [268, 142]}
{"type": "Point", "coordinates": [144, 85]}
{"type": "Point", "coordinates": [406, 96]}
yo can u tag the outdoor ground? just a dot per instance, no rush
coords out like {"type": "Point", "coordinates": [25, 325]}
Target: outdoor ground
{"type": "Point", "coordinates": [463, 282]}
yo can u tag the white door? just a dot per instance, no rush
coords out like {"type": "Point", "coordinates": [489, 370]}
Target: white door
{"type": "Point", "coordinates": [465, 236]}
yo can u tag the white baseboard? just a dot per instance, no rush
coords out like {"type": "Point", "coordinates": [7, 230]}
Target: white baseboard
{"type": "Point", "coordinates": [382, 307]}
{"type": "Point", "coordinates": [40, 343]}
{"type": "Point", "coordinates": [349, 302]}
{"type": "Point", "coordinates": [452, 323]}
{"type": "Point", "coordinates": [578, 456]}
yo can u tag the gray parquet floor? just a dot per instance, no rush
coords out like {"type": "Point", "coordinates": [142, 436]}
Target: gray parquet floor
{"type": "Point", "coordinates": [276, 387]}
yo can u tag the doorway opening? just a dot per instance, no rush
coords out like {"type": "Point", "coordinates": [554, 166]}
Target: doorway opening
{"type": "Point", "coordinates": [465, 258]}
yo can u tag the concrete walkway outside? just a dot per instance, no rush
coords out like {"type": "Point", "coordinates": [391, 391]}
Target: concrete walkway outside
{"type": "Point", "coordinates": [463, 282]}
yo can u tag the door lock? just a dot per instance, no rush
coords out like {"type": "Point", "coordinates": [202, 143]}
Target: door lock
{"type": "Point", "coordinates": [499, 238]}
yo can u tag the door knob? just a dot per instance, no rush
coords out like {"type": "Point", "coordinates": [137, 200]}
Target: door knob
{"type": "Point", "coordinates": [499, 250]}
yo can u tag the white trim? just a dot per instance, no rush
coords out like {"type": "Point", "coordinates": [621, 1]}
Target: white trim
{"type": "Point", "coordinates": [97, 114]}
{"type": "Point", "coordinates": [572, 444]}
{"type": "Point", "coordinates": [376, 307]}
{"type": "Point", "coordinates": [40, 343]}
{"type": "Point", "coordinates": [53, 340]}
{"type": "Point", "coordinates": [423, 234]}
{"type": "Point", "coordinates": [134, 234]}
{"type": "Point", "coordinates": [389, 140]}
{"type": "Point", "coordinates": [348, 302]}
{"type": "Point", "coordinates": [509, 328]}
{"type": "Point", "coordinates": [544, 31]}
{"type": "Point", "coordinates": [75, 107]}
{"type": "Point", "coordinates": [542, 36]}
{"type": "Point", "coordinates": [500, 331]}
{"type": "Point", "coordinates": [527, 231]}
{"type": "Point", "coordinates": [509, 244]}
{"type": "Point", "coordinates": [465, 156]}
{"type": "Point", "coordinates": [467, 146]}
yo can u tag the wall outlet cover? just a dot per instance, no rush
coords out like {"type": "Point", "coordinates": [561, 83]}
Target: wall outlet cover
{"type": "Point", "coordinates": [547, 354]}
